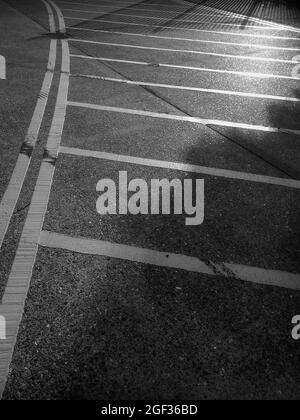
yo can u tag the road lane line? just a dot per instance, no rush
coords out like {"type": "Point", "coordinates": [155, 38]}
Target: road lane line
{"type": "Point", "coordinates": [163, 20]}
{"type": "Point", "coordinates": [203, 41]}
{"type": "Point", "coordinates": [168, 14]}
{"type": "Point", "coordinates": [187, 29]}
{"type": "Point", "coordinates": [271, 25]}
{"type": "Point", "coordinates": [176, 8]}
{"type": "Point", "coordinates": [183, 167]}
{"type": "Point", "coordinates": [240, 57]}
{"type": "Point", "coordinates": [16, 291]}
{"type": "Point", "coordinates": [191, 89]}
{"type": "Point", "coordinates": [174, 66]}
{"type": "Point", "coordinates": [183, 118]}
{"type": "Point", "coordinates": [170, 260]}
{"type": "Point", "coordinates": [13, 190]}
{"type": "Point", "coordinates": [61, 20]}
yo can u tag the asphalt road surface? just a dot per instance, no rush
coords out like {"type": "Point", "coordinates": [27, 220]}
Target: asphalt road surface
{"type": "Point", "coordinates": [146, 306]}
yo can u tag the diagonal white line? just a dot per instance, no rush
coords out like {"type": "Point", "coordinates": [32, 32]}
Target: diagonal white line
{"type": "Point", "coordinates": [175, 66]}
{"type": "Point", "coordinates": [165, 259]}
{"type": "Point", "coordinates": [191, 89]}
{"type": "Point", "coordinates": [240, 57]}
{"type": "Point", "coordinates": [187, 29]}
{"type": "Point", "coordinates": [183, 118]}
{"type": "Point", "coordinates": [183, 167]}
{"type": "Point", "coordinates": [203, 41]}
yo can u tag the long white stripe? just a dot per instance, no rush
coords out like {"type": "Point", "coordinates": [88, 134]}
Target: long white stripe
{"type": "Point", "coordinates": [162, 20]}
{"type": "Point", "coordinates": [175, 8]}
{"type": "Point", "coordinates": [183, 118]}
{"type": "Point", "coordinates": [168, 14]}
{"type": "Point", "coordinates": [166, 259]}
{"type": "Point", "coordinates": [135, 3]}
{"type": "Point", "coordinates": [187, 29]}
{"type": "Point", "coordinates": [241, 57]}
{"type": "Point", "coordinates": [203, 41]}
{"type": "Point", "coordinates": [201, 69]}
{"type": "Point", "coordinates": [191, 89]}
{"type": "Point", "coordinates": [13, 190]}
{"type": "Point", "coordinates": [235, 16]}
{"type": "Point", "coordinates": [61, 21]}
{"type": "Point", "coordinates": [16, 291]}
{"type": "Point", "coordinates": [183, 167]}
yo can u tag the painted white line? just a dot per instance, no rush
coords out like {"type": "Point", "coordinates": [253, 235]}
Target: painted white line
{"type": "Point", "coordinates": [61, 20]}
{"type": "Point", "coordinates": [188, 29]}
{"type": "Point", "coordinates": [13, 190]}
{"type": "Point", "coordinates": [201, 69]}
{"type": "Point", "coordinates": [182, 118]}
{"type": "Point", "coordinates": [176, 261]}
{"type": "Point", "coordinates": [190, 89]}
{"type": "Point", "coordinates": [203, 41]}
{"type": "Point", "coordinates": [140, 47]}
{"type": "Point", "coordinates": [16, 291]}
{"type": "Point", "coordinates": [163, 20]}
{"type": "Point", "coordinates": [183, 167]}
{"type": "Point", "coordinates": [274, 26]}
{"type": "Point", "coordinates": [169, 14]}
{"type": "Point", "coordinates": [178, 8]}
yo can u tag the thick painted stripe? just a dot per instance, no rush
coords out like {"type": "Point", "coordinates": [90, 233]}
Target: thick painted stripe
{"type": "Point", "coordinates": [168, 14]}
{"type": "Point", "coordinates": [191, 89]}
{"type": "Point", "coordinates": [180, 51]}
{"type": "Point", "coordinates": [269, 24]}
{"type": "Point", "coordinates": [16, 291]}
{"type": "Point", "coordinates": [275, 37]}
{"type": "Point", "coordinates": [179, 67]}
{"type": "Point", "coordinates": [165, 259]}
{"type": "Point", "coordinates": [61, 20]}
{"type": "Point", "coordinates": [183, 118]}
{"type": "Point", "coordinates": [203, 41]}
{"type": "Point", "coordinates": [13, 190]}
{"type": "Point", "coordinates": [183, 167]}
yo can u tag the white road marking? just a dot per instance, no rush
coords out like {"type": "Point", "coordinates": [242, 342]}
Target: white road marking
{"type": "Point", "coordinates": [240, 57]}
{"type": "Point", "coordinates": [168, 14]}
{"type": "Point", "coordinates": [201, 69]}
{"type": "Point", "coordinates": [13, 190]}
{"type": "Point", "coordinates": [183, 167]}
{"type": "Point", "coordinates": [183, 118]}
{"type": "Point", "coordinates": [188, 29]}
{"type": "Point", "coordinates": [271, 25]}
{"type": "Point", "coordinates": [15, 293]}
{"type": "Point", "coordinates": [61, 20]}
{"type": "Point", "coordinates": [176, 261]}
{"type": "Point", "coordinates": [191, 89]}
{"type": "Point", "coordinates": [175, 7]}
{"type": "Point", "coordinates": [203, 41]}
